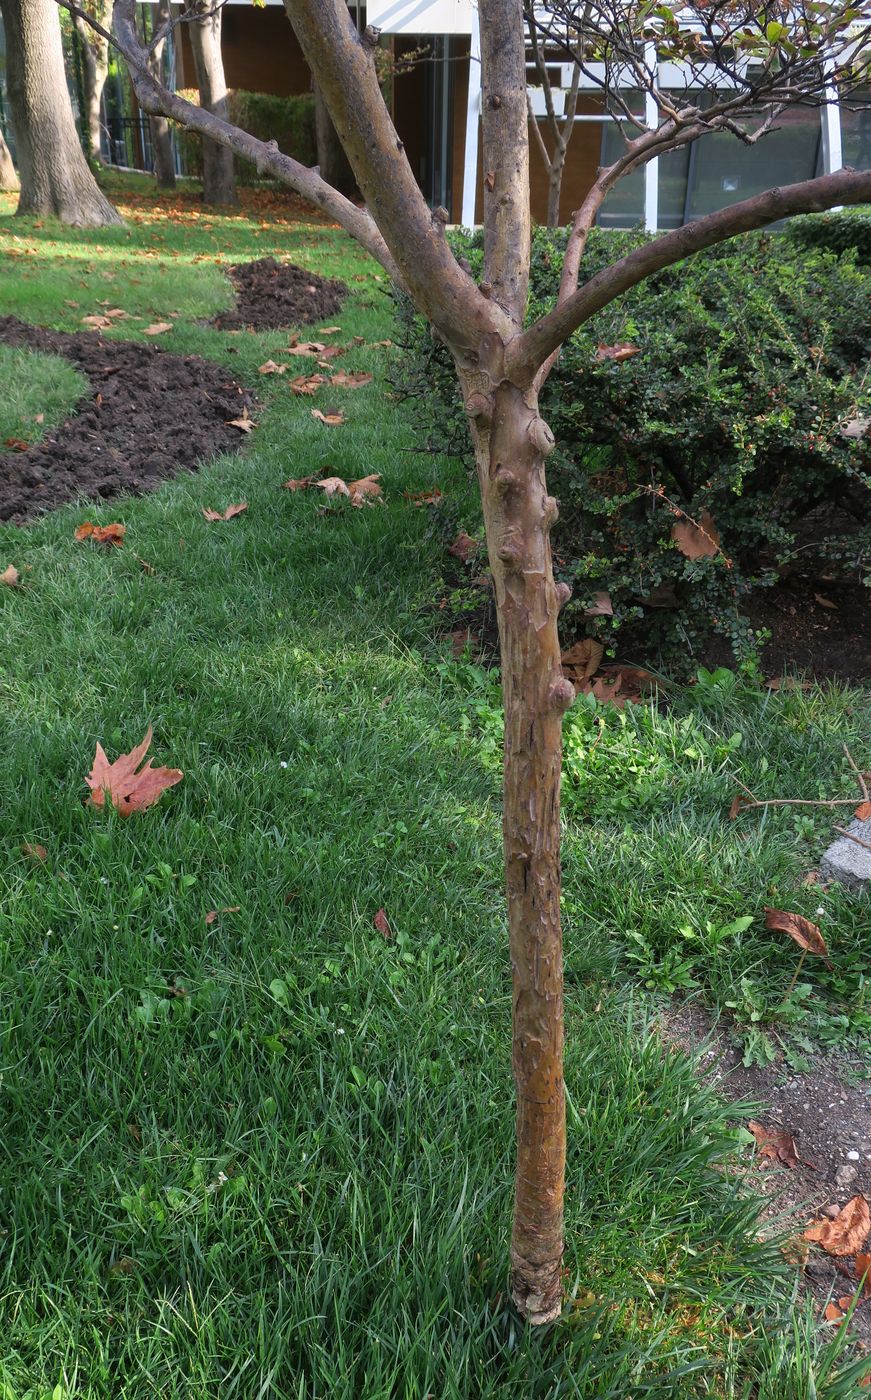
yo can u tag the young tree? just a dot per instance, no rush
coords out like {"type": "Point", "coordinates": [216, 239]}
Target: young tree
{"type": "Point", "coordinates": [95, 68]}
{"type": "Point", "coordinates": [55, 178]}
{"type": "Point", "coordinates": [219, 180]}
{"type": "Point", "coordinates": [8, 178]}
{"type": "Point", "coordinates": [559, 125]}
{"type": "Point", "coordinates": [501, 364]}
{"type": "Point", "coordinates": [158, 126]}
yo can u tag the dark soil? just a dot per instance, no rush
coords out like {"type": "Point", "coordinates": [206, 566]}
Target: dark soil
{"type": "Point", "coordinates": [148, 415]}
{"type": "Point", "coordinates": [829, 1117]}
{"type": "Point", "coordinates": [277, 296]}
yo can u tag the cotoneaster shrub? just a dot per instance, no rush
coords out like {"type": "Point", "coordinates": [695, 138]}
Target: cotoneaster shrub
{"type": "Point", "coordinates": [749, 385]}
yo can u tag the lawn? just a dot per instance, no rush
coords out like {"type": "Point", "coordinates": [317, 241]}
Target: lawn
{"type": "Point", "coordinates": [270, 1155]}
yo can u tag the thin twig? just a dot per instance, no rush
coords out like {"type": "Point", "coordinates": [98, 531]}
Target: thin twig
{"type": "Point", "coordinates": [850, 837]}
{"type": "Point", "coordinates": [861, 776]}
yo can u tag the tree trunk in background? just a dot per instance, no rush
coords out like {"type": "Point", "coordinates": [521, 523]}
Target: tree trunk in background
{"type": "Point", "coordinates": [219, 181]}
{"type": "Point", "coordinates": [511, 443]}
{"type": "Point", "coordinates": [158, 126]}
{"type": "Point", "coordinates": [55, 177]}
{"type": "Point", "coordinates": [95, 69]}
{"type": "Point", "coordinates": [8, 178]}
{"type": "Point", "coordinates": [334, 165]}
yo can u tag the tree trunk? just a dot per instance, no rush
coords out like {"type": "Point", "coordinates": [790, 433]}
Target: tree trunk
{"type": "Point", "coordinates": [8, 178]}
{"type": "Point", "coordinates": [333, 164]}
{"type": "Point", "coordinates": [55, 177]}
{"type": "Point", "coordinates": [219, 181]}
{"type": "Point", "coordinates": [95, 69]}
{"type": "Point", "coordinates": [158, 126]}
{"type": "Point", "coordinates": [511, 443]}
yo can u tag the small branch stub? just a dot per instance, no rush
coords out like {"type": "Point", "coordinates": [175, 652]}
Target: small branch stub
{"type": "Point", "coordinates": [541, 437]}
{"type": "Point", "coordinates": [550, 512]}
{"type": "Point", "coordinates": [561, 694]}
{"type": "Point", "coordinates": [478, 406]}
{"type": "Point", "coordinates": [563, 593]}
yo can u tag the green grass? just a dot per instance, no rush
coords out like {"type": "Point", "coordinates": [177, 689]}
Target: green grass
{"type": "Point", "coordinates": [272, 1156]}
{"type": "Point", "coordinates": [39, 391]}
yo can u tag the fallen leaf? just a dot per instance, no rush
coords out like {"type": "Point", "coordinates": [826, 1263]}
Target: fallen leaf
{"type": "Point", "coordinates": [158, 328]}
{"type": "Point", "coordinates": [775, 1144]}
{"type": "Point", "coordinates": [115, 313]}
{"type": "Point", "coordinates": [847, 1232]}
{"type": "Point", "coordinates": [228, 909]}
{"type": "Point", "coordinates": [825, 602]}
{"type": "Point", "coordinates": [39, 417]}
{"type": "Point", "coordinates": [300, 483]}
{"type": "Point", "coordinates": [127, 790]}
{"type": "Point", "coordinates": [332, 420]}
{"type": "Point", "coordinates": [697, 541]}
{"type": "Point", "coordinates": [460, 639]}
{"type": "Point", "coordinates": [811, 878]}
{"type": "Point", "coordinates": [306, 383]}
{"type": "Point", "coordinates": [423, 498]}
{"type": "Point", "coordinates": [738, 802]}
{"type": "Point", "coordinates": [583, 659]}
{"type": "Point", "coordinates": [383, 927]}
{"type": "Point", "coordinates": [97, 323]}
{"type": "Point", "coordinates": [834, 1312]}
{"type": "Point", "coordinates": [34, 850]}
{"type": "Point", "coordinates": [102, 534]}
{"type": "Point", "coordinates": [624, 350]}
{"type": "Point", "coordinates": [863, 1273]}
{"type": "Point", "coordinates": [334, 486]}
{"type": "Point", "coordinates": [10, 576]}
{"type": "Point", "coordinates": [800, 929]}
{"type": "Point", "coordinates": [355, 380]}
{"type": "Point", "coordinates": [328, 330]}
{"type": "Point", "coordinates": [244, 424]}
{"type": "Point", "coordinates": [601, 606]}
{"type": "Point", "coordinates": [366, 486]}
{"type": "Point", "coordinates": [306, 347]}
{"type": "Point", "coordinates": [227, 514]}
{"type": "Point", "coordinates": [788, 683]}
{"type": "Point", "coordinates": [856, 428]}
{"type": "Point", "coordinates": [17, 444]}
{"type": "Point", "coordinates": [463, 547]}
{"type": "Point", "coordinates": [270, 367]}
{"type": "Point", "coordinates": [332, 352]}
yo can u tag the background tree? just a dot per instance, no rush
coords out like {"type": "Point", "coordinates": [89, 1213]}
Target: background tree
{"type": "Point", "coordinates": [558, 125]}
{"type": "Point", "coordinates": [8, 178]}
{"type": "Point", "coordinates": [95, 69]}
{"type": "Point", "coordinates": [158, 127]}
{"type": "Point", "coordinates": [219, 180]}
{"type": "Point", "coordinates": [501, 364]}
{"type": "Point", "coordinates": [55, 177]}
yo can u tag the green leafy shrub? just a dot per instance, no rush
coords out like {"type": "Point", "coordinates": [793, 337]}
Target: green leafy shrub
{"type": "Point", "coordinates": [752, 361]}
{"type": "Point", "coordinates": [288, 120]}
{"type": "Point", "coordinates": [837, 232]}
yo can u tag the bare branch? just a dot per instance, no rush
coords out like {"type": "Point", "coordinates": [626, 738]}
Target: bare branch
{"type": "Point", "coordinates": [807, 197]}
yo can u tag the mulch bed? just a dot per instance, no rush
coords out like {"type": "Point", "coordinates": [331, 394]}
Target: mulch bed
{"type": "Point", "coordinates": [148, 415]}
{"type": "Point", "coordinates": [274, 296]}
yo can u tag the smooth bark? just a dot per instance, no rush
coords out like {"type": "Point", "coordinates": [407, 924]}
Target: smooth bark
{"type": "Point", "coordinates": [158, 127]}
{"type": "Point", "coordinates": [219, 179]}
{"type": "Point", "coordinates": [94, 51]}
{"type": "Point", "coordinates": [8, 178]}
{"type": "Point", "coordinates": [55, 177]}
{"type": "Point", "coordinates": [333, 164]}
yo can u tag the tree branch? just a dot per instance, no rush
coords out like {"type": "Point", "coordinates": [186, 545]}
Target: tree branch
{"type": "Point", "coordinates": [531, 349]}
{"type": "Point", "coordinates": [505, 130]}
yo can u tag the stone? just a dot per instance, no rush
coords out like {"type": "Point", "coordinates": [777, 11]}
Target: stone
{"type": "Point", "coordinates": [845, 1175]}
{"type": "Point", "coordinates": [846, 861]}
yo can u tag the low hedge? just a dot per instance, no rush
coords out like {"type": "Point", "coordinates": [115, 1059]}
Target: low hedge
{"type": "Point", "coordinates": [288, 120]}
{"type": "Point", "coordinates": [836, 232]}
{"type": "Point", "coordinates": [749, 385]}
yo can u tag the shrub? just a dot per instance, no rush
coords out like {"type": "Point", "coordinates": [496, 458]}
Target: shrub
{"type": "Point", "coordinates": [288, 120]}
{"type": "Point", "coordinates": [751, 363]}
{"type": "Point", "coordinates": [836, 232]}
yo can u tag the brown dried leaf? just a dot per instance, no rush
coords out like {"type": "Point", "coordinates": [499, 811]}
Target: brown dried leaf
{"type": "Point", "coordinates": [10, 576]}
{"type": "Point", "coordinates": [102, 534]}
{"type": "Point", "coordinates": [127, 790]}
{"type": "Point", "coordinates": [463, 547]}
{"type": "Point", "coordinates": [583, 659]}
{"type": "Point", "coordinates": [227, 514]}
{"type": "Point", "coordinates": [332, 420]}
{"type": "Point", "coordinates": [213, 914]}
{"type": "Point", "coordinates": [788, 683]}
{"type": "Point", "coordinates": [328, 330]}
{"type": "Point", "coordinates": [383, 927]}
{"type": "Point", "coordinates": [863, 811]}
{"type": "Point", "coordinates": [775, 1144]}
{"type": "Point", "coordinates": [600, 607]}
{"type": "Point", "coordinates": [423, 498]}
{"type": "Point", "coordinates": [96, 323]}
{"type": "Point", "coordinates": [33, 850]}
{"type": "Point", "coordinates": [825, 602]}
{"type": "Point", "coordinates": [332, 352]}
{"type": "Point", "coordinates": [270, 367]}
{"type": "Point", "coordinates": [158, 328]}
{"type": "Point", "coordinates": [366, 486]}
{"type": "Point", "coordinates": [847, 1232]}
{"type": "Point", "coordinates": [697, 541]}
{"type": "Point", "coordinates": [334, 486]}
{"type": "Point", "coordinates": [244, 424]}
{"type": "Point", "coordinates": [738, 802]}
{"type": "Point", "coordinates": [115, 313]}
{"type": "Point", "coordinates": [17, 444]}
{"type": "Point", "coordinates": [863, 1273]}
{"type": "Point", "coordinates": [301, 482]}
{"type": "Point", "coordinates": [357, 379]}
{"type": "Point", "coordinates": [624, 350]}
{"type": "Point", "coordinates": [306, 383]}
{"type": "Point", "coordinates": [306, 347]}
{"type": "Point", "coordinates": [800, 929]}
{"type": "Point", "coordinates": [833, 1311]}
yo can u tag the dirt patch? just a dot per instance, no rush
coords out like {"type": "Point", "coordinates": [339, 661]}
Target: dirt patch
{"type": "Point", "coordinates": [148, 415]}
{"type": "Point", "coordinates": [276, 296]}
{"type": "Point", "coordinates": [830, 1120]}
